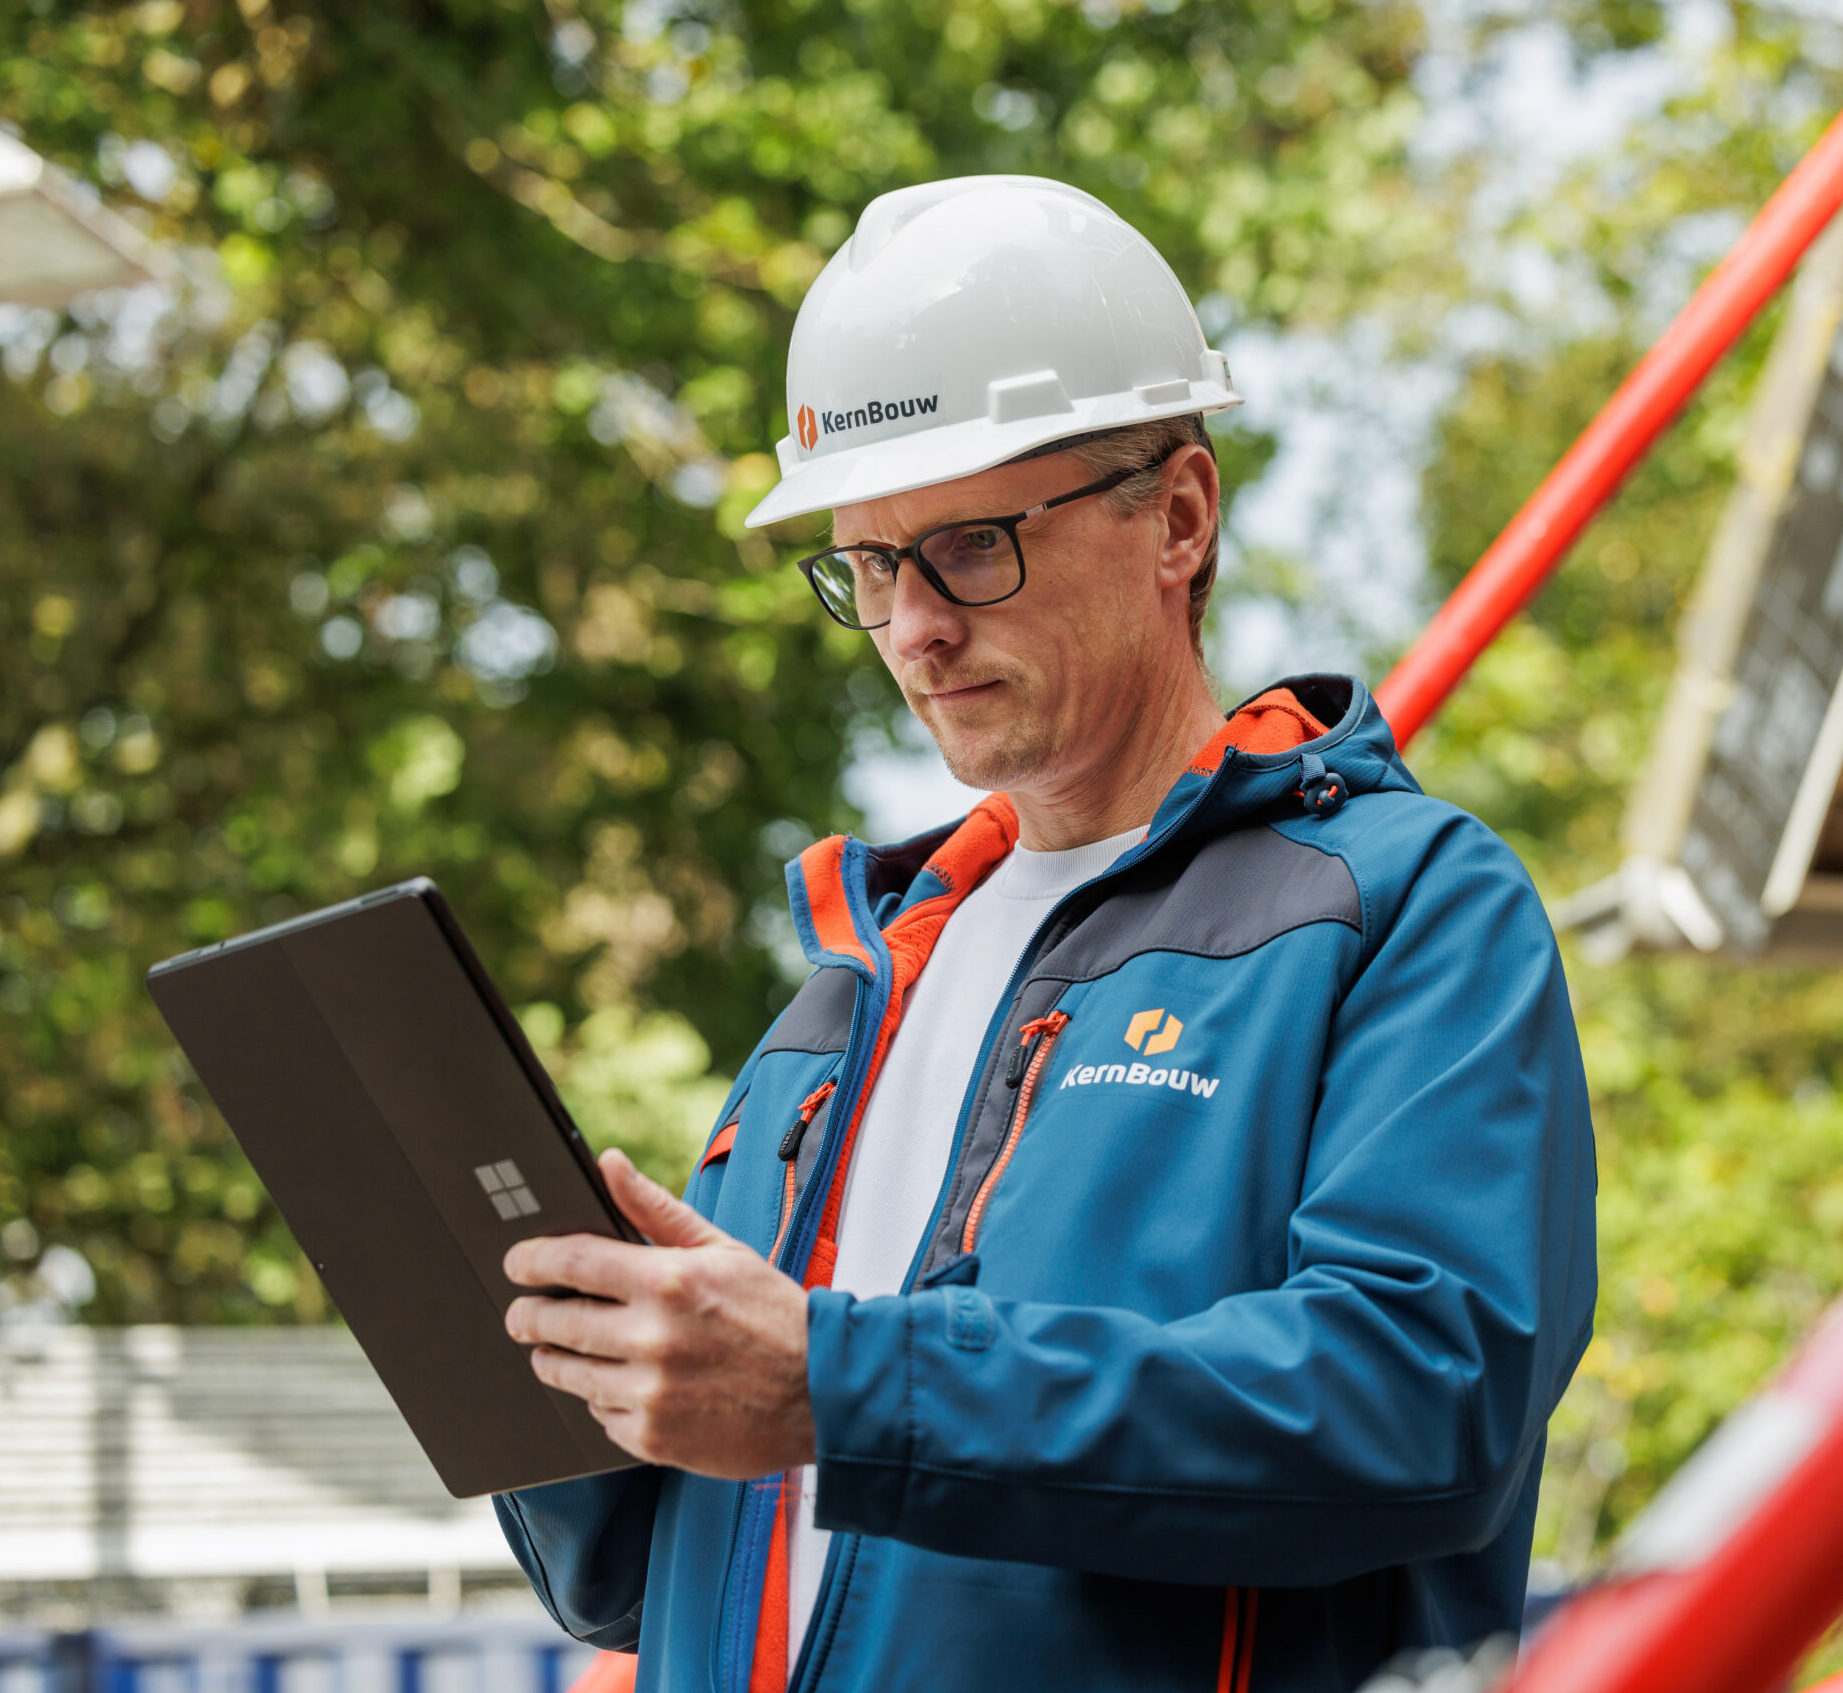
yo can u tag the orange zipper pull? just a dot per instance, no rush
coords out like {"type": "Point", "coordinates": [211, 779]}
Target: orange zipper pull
{"type": "Point", "coordinates": [1020, 1054]}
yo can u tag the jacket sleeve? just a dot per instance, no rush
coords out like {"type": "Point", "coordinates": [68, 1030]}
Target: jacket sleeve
{"type": "Point", "coordinates": [1380, 1406]}
{"type": "Point", "coordinates": [584, 1544]}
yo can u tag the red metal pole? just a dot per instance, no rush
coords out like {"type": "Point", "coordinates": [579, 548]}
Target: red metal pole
{"type": "Point", "coordinates": [1519, 560]}
{"type": "Point", "coordinates": [1743, 1568]}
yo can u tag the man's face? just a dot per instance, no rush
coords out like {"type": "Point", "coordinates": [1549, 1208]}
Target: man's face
{"type": "Point", "coordinates": [1025, 695]}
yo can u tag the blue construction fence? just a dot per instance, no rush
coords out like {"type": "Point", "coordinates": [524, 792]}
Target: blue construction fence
{"type": "Point", "coordinates": [297, 1655]}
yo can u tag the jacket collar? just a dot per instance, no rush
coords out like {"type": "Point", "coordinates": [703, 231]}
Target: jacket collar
{"type": "Point", "coordinates": [852, 903]}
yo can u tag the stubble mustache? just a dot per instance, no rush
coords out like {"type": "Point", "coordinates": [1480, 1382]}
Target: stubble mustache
{"type": "Point", "coordinates": [917, 688]}
{"type": "Point", "coordinates": [1022, 748]}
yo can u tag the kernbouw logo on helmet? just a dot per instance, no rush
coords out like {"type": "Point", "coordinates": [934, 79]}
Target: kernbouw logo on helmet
{"type": "Point", "coordinates": [862, 417]}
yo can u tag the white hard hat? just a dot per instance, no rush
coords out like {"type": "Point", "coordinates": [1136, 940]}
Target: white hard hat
{"type": "Point", "coordinates": [968, 321]}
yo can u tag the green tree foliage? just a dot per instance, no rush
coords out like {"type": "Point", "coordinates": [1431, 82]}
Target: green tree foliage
{"type": "Point", "coordinates": [1715, 1084]}
{"type": "Point", "coordinates": [408, 539]}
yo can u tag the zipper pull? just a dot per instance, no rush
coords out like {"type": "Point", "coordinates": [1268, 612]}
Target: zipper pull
{"type": "Point", "coordinates": [1027, 1040]}
{"type": "Point", "coordinates": [809, 1109]}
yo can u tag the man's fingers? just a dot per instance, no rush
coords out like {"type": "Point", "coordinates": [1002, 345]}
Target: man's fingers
{"type": "Point", "coordinates": [616, 1395]}
{"type": "Point", "coordinates": [616, 1398]}
{"type": "Point", "coordinates": [662, 1218]}
{"type": "Point", "coordinates": [609, 1269]}
{"type": "Point", "coordinates": [628, 1430]}
{"type": "Point", "coordinates": [592, 1264]}
{"type": "Point", "coordinates": [604, 1385]}
{"type": "Point", "coordinates": [597, 1328]}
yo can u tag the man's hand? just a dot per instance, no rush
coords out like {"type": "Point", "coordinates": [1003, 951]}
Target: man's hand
{"type": "Point", "coordinates": [689, 1352]}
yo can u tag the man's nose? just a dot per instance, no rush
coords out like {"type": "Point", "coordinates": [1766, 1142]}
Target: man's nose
{"type": "Point", "coordinates": [921, 620]}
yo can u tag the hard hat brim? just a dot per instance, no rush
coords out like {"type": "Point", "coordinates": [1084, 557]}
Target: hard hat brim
{"type": "Point", "coordinates": [925, 458]}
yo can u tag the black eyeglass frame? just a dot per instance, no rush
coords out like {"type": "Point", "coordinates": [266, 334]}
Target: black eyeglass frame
{"type": "Point", "coordinates": [895, 555]}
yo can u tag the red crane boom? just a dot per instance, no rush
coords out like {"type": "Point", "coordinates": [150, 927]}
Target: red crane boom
{"type": "Point", "coordinates": [1519, 561]}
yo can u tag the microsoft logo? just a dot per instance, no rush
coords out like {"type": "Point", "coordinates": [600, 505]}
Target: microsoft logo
{"type": "Point", "coordinates": [505, 1185]}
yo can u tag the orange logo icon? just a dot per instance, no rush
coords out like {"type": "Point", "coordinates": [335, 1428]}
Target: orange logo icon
{"type": "Point", "coordinates": [1142, 1025]}
{"type": "Point", "coordinates": [809, 428]}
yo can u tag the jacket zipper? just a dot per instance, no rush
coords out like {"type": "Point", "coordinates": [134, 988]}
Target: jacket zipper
{"type": "Point", "coordinates": [790, 1156]}
{"type": "Point", "coordinates": [728, 1652]}
{"type": "Point", "coordinates": [1036, 1039]}
{"type": "Point", "coordinates": [723, 1651]}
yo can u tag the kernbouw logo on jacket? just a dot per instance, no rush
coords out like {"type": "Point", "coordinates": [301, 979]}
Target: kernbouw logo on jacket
{"type": "Point", "coordinates": [1150, 1032]}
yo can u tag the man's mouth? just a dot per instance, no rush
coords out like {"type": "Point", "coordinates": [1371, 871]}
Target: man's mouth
{"type": "Point", "coordinates": [958, 691]}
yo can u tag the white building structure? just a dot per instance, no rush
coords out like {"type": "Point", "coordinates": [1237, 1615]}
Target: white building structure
{"type": "Point", "coordinates": [57, 240]}
{"type": "Point", "coordinates": [195, 1470]}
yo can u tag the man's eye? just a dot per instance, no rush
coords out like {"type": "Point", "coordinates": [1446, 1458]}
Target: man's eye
{"type": "Point", "coordinates": [982, 540]}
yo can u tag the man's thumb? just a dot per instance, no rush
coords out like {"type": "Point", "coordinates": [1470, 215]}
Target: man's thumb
{"type": "Point", "coordinates": [662, 1218]}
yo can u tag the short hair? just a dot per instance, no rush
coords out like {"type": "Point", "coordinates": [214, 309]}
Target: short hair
{"type": "Point", "coordinates": [1148, 444]}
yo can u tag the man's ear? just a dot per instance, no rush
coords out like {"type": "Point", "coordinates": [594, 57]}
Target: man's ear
{"type": "Point", "coordinates": [1193, 491]}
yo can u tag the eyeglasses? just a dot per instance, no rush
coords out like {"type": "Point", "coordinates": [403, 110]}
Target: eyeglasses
{"type": "Point", "coordinates": [978, 562]}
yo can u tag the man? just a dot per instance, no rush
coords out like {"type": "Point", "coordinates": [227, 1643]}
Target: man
{"type": "Point", "coordinates": [1148, 1249]}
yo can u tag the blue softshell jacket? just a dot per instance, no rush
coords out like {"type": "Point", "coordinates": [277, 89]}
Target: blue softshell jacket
{"type": "Point", "coordinates": [1265, 1252]}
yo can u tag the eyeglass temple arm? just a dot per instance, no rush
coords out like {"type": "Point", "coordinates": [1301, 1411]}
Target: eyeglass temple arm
{"type": "Point", "coordinates": [1100, 487]}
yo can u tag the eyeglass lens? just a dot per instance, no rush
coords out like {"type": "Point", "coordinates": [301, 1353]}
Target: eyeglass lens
{"type": "Point", "coordinates": [976, 563]}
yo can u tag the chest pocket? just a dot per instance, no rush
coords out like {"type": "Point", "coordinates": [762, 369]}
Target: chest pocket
{"type": "Point", "coordinates": [707, 1179]}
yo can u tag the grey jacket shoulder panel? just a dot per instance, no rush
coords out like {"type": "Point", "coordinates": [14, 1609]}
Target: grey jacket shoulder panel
{"type": "Point", "coordinates": [1237, 892]}
{"type": "Point", "coordinates": [818, 1019]}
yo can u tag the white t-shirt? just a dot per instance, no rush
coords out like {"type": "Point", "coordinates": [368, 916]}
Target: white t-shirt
{"type": "Point", "coordinates": [906, 1137]}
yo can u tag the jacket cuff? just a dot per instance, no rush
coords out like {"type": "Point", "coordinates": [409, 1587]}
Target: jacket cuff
{"type": "Point", "coordinates": [859, 1361]}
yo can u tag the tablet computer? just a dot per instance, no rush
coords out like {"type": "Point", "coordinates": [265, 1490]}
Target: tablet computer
{"type": "Point", "coordinates": [406, 1130]}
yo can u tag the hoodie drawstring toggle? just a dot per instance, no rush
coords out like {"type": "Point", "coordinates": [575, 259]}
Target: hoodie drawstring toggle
{"type": "Point", "coordinates": [1322, 790]}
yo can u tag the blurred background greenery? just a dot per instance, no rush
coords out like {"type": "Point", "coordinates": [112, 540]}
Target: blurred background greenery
{"type": "Point", "coordinates": [401, 535]}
